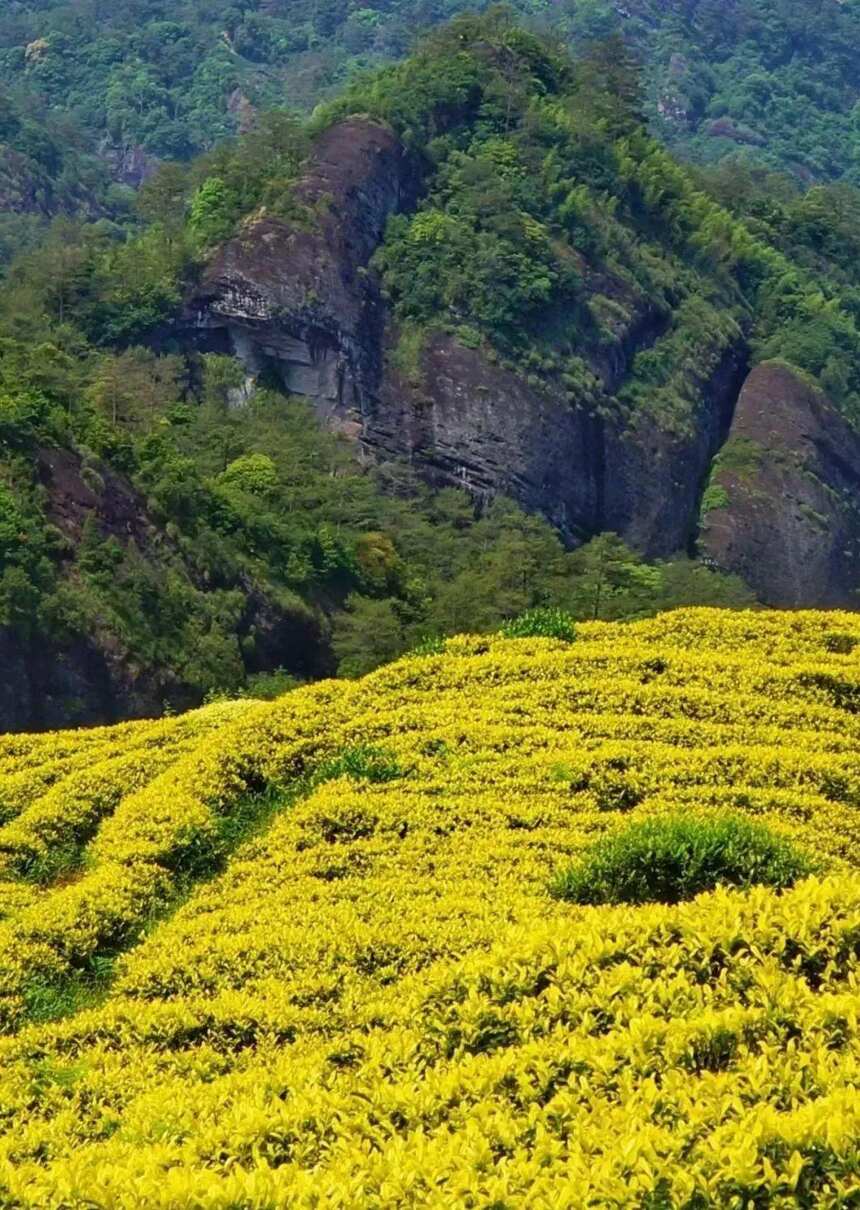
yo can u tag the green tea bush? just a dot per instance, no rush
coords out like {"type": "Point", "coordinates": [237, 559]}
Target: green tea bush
{"type": "Point", "coordinates": [541, 624]}
{"type": "Point", "coordinates": [839, 643]}
{"type": "Point", "coordinates": [676, 858]}
{"type": "Point", "coordinates": [360, 763]}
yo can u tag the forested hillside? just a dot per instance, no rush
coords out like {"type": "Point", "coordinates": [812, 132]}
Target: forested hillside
{"type": "Point", "coordinates": [388, 819]}
{"type": "Point", "coordinates": [497, 226]}
{"type": "Point", "coordinates": [107, 87]}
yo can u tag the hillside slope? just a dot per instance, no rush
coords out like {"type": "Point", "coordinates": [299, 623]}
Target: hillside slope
{"type": "Point", "coordinates": [773, 80]}
{"type": "Point", "coordinates": [482, 273]}
{"type": "Point", "coordinates": [177, 525]}
{"type": "Point", "coordinates": [303, 953]}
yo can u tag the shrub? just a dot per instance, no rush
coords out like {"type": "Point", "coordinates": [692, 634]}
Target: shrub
{"type": "Point", "coordinates": [667, 860]}
{"type": "Point", "coordinates": [839, 643]}
{"type": "Point", "coordinates": [361, 763]}
{"type": "Point", "coordinates": [430, 644]}
{"type": "Point", "coordinates": [541, 624]}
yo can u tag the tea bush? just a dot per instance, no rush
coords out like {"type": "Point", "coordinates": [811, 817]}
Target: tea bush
{"type": "Point", "coordinates": [542, 624]}
{"type": "Point", "coordinates": [667, 860]}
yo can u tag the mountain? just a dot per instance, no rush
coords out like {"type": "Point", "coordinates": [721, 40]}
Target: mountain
{"type": "Point", "coordinates": [141, 80]}
{"type": "Point", "coordinates": [467, 342]}
{"type": "Point", "coordinates": [509, 284]}
{"type": "Point", "coordinates": [773, 81]}
{"type": "Point", "coordinates": [179, 521]}
{"type": "Point", "coordinates": [312, 952]}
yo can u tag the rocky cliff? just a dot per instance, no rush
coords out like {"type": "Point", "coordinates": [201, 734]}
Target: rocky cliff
{"type": "Point", "coordinates": [297, 297]}
{"type": "Point", "coordinates": [783, 506]}
{"type": "Point", "coordinates": [473, 424]}
{"type": "Point", "coordinates": [82, 680]}
{"type": "Point", "coordinates": [302, 299]}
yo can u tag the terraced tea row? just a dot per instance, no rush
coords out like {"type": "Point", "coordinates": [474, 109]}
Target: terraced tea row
{"type": "Point", "coordinates": [373, 1001]}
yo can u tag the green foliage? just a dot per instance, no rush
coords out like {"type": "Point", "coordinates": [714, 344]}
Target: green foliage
{"type": "Point", "coordinates": [839, 642]}
{"type": "Point", "coordinates": [54, 1001]}
{"type": "Point", "coordinates": [360, 763]}
{"type": "Point", "coordinates": [685, 582]}
{"type": "Point", "coordinates": [670, 859]}
{"type": "Point", "coordinates": [405, 357]}
{"type": "Point", "coordinates": [550, 227]}
{"type": "Point", "coordinates": [429, 645]}
{"type": "Point", "coordinates": [541, 624]}
{"type": "Point", "coordinates": [490, 265]}
{"type": "Point", "coordinates": [740, 455]}
{"type": "Point", "coordinates": [541, 182]}
{"type": "Point", "coordinates": [255, 474]}
{"type": "Point", "coordinates": [367, 634]}
{"type": "Point", "coordinates": [60, 863]}
{"type": "Point", "coordinates": [611, 581]}
{"type": "Point", "coordinates": [213, 212]}
{"type": "Point", "coordinates": [714, 497]}
{"type": "Point", "coordinates": [762, 81]}
{"type": "Point", "coordinates": [266, 686]}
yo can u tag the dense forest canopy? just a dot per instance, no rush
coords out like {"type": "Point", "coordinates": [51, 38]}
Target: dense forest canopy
{"type": "Point", "coordinates": [257, 531]}
{"type": "Point", "coordinates": [774, 80]}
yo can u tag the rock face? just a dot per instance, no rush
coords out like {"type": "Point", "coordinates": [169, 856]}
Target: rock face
{"type": "Point", "coordinates": [128, 164]}
{"type": "Point", "coordinates": [74, 494]}
{"type": "Point", "coordinates": [296, 296]}
{"type": "Point", "coordinates": [786, 494]}
{"type": "Point", "coordinates": [84, 682]}
{"type": "Point", "coordinates": [483, 428]}
{"type": "Point", "coordinates": [301, 299]}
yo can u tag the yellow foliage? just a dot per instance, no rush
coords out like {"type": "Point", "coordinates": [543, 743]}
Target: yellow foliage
{"type": "Point", "coordinates": [373, 1001]}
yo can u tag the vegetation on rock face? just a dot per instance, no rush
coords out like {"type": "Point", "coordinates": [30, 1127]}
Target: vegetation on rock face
{"type": "Point", "coordinates": [181, 1029]}
{"type": "Point", "coordinates": [552, 225]}
{"type": "Point", "coordinates": [258, 541]}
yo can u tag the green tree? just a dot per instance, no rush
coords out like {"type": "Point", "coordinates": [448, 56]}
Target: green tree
{"type": "Point", "coordinates": [214, 211]}
{"type": "Point", "coordinates": [161, 199]}
{"type": "Point", "coordinates": [609, 580]}
{"type": "Point", "coordinates": [368, 634]}
{"type": "Point", "coordinates": [136, 387]}
{"type": "Point", "coordinates": [686, 582]}
{"type": "Point", "coordinates": [255, 474]}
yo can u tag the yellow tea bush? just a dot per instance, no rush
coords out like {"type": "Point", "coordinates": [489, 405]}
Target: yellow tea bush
{"type": "Point", "coordinates": [304, 953]}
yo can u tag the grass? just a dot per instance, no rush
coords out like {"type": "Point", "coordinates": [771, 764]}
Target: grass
{"type": "Point", "coordinates": [360, 763]}
{"type": "Point", "coordinates": [87, 988]}
{"type": "Point", "coordinates": [57, 866]}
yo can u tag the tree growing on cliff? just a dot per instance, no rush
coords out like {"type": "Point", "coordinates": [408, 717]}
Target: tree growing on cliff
{"type": "Point", "coordinates": [214, 210]}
